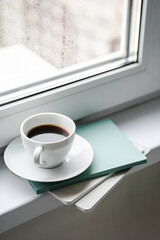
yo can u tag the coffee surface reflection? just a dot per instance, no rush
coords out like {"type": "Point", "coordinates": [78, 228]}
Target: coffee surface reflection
{"type": "Point", "coordinates": [47, 133]}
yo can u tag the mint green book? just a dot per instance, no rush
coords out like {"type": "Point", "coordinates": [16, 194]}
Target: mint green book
{"type": "Point", "coordinates": [113, 152]}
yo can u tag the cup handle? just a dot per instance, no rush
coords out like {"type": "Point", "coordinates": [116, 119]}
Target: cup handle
{"type": "Point", "coordinates": [36, 156]}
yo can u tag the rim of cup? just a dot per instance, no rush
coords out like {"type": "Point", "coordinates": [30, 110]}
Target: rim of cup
{"type": "Point", "coordinates": [47, 113]}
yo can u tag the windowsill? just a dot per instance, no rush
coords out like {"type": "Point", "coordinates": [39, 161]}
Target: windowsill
{"type": "Point", "coordinates": [18, 201]}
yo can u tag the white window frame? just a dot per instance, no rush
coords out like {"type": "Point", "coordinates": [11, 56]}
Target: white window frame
{"type": "Point", "coordinates": [102, 94]}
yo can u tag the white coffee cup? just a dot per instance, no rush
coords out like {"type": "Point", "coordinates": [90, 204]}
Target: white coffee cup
{"type": "Point", "coordinates": [48, 153]}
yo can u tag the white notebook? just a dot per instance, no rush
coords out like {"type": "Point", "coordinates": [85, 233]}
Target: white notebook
{"type": "Point", "coordinates": [87, 194]}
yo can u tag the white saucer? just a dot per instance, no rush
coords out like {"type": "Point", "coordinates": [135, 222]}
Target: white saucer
{"type": "Point", "coordinates": [79, 159]}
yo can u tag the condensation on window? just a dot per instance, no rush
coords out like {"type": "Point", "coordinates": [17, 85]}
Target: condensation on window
{"type": "Point", "coordinates": [63, 32]}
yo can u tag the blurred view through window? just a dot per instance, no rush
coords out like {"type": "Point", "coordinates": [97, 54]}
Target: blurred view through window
{"type": "Point", "coordinates": [39, 38]}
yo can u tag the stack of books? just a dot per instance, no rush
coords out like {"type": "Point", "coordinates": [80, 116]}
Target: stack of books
{"type": "Point", "coordinates": [113, 152]}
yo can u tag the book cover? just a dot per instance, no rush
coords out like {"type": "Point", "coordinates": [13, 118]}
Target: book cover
{"type": "Point", "coordinates": [113, 152]}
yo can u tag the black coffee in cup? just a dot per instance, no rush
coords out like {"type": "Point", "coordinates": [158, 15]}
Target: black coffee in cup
{"type": "Point", "coordinates": [47, 133]}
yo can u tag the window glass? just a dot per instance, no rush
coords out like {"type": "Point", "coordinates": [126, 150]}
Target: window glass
{"type": "Point", "coordinates": [40, 39]}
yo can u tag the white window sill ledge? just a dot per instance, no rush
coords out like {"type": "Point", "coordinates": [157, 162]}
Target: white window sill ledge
{"type": "Point", "coordinates": [18, 201]}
